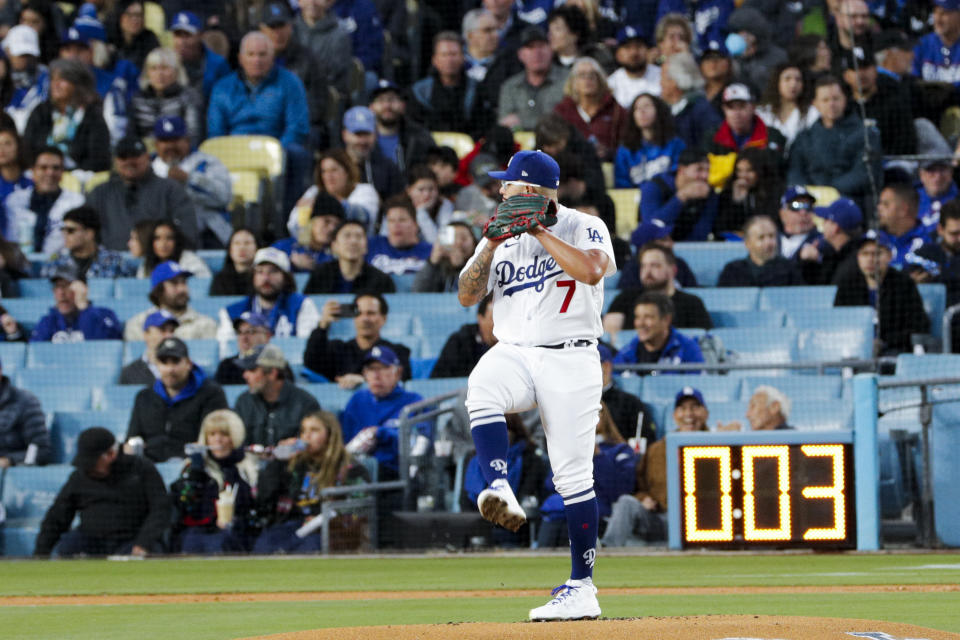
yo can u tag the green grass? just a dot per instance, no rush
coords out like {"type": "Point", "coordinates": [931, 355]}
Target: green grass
{"type": "Point", "coordinates": [940, 610]}
{"type": "Point", "coordinates": [216, 621]}
{"type": "Point", "coordinates": [466, 572]}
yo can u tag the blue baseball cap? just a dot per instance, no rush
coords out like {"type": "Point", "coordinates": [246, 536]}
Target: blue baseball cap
{"type": "Point", "coordinates": [186, 21]}
{"type": "Point", "coordinates": [533, 167]}
{"type": "Point", "coordinates": [252, 318]}
{"type": "Point", "coordinates": [632, 32]}
{"type": "Point", "coordinates": [689, 392]}
{"type": "Point", "coordinates": [651, 230]}
{"type": "Point", "coordinates": [949, 5]}
{"type": "Point", "coordinates": [169, 128]}
{"type": "Point", "coordinates": [88, 28]}
{"type": "Point", "coordinates": [844, 212]}
{"type": "Point", "coordinates": [159, 318]}
{"type": "Point", "coordinates": [383, 355]}
{"type": "Point", "coordinates": [795, 193]}
{"type": "Point", "coordinates": [359, 120]}
{"type": "Point", "coordinates": [166, 271]}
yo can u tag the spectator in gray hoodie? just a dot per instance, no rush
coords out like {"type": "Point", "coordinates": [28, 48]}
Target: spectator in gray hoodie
{"type": "Point", "coordinates": [760, 56]}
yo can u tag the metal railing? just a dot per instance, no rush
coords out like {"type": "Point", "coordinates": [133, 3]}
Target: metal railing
{"type": "Point", "coordinates": [819, 366]}
{"type": "Point", "coordinates": [948, 328]}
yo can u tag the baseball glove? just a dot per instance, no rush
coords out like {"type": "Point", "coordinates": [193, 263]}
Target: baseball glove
{"type": "Point", "coordinates": [520, 213]}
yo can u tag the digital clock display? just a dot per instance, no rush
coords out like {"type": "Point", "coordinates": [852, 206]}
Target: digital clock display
{"type": "Point", "coordinates": [775, 495]}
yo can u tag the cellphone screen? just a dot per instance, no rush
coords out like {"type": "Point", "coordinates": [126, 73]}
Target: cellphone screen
{"type": "Point", "coordinates": [347, 310]}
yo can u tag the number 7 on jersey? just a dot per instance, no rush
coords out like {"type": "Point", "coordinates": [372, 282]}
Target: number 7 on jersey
{"type": "Point", "coordinates": [571, 286]}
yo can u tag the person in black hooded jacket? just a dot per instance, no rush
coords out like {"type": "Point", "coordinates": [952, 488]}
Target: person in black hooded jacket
{"type": "Point", "coordinates": [168, 415]}
{"type": "Point", "coordinates": [123, 506]}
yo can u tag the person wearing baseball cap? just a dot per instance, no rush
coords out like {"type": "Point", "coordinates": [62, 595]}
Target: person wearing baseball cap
{"type": "Point", "coordinates": [870, 281]}
{"type": "Point", "coordinates": [275, 296]}
{"type": "Point", "coordinates": [741, 129]}
{"type": "Point", "coordinates": [842, 225]}
{"type": "Point", "coordinates": [893, 51]}
{"type": "Point", "coordinates": [204, 177]}
{"type": "Point", "coordinates": [22, 48]}
{"type": "Point", "coordinates": [73, 318]}
{"type": "Point", "coordinates": [398, 137]}
{"type": "Point", "coordinates": [633, 75]}
{"type": "Point", "coordinates": [252, 330]}
{"type": "Point", "coordinates": [157, 326]}
{"type": "Point", "coordinates": [527, 96]}
{"type": "Point", "coordinates": [121, 501]}
{"type": "Point", "coordinates": [937, 55]}
{"type": "Point", "coordinates": [641, 518]}
{"type": "Point", "coordinates": [204, 66]}
{"type": "Point", "coordinates": [716, 67]}
{"type": "Point", "coordinates": [683, 201]}
{"type": "Point", "coordinates": [168, 413]}
{"type": "Point", "coordinates": [897, 216]}
{"type": "Point", "coordinates": [370, 417]}
{"type": "Point", "coordinates": [797, 228]}
{"type": "Point", "coordinates": [273, 406]}
{"type": "Point", "coordinates": [170, 291]}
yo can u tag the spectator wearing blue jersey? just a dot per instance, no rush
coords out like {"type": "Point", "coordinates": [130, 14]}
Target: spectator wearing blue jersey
{"type": "Point", "coordinates": [274, 295]}
{"type": "Point", "coordinates": [400, 251]}
{"type": "Point", "coordinates": [361, 20]}
{"type": "Point", "coordinates": [936, 188]}
{"type": "Point", "coordinates": [648, 146]}
{"type": "Point", "coordinates": [263, 98]}
{"type": "Point", "coordinates": [73, 318]}
{"type": "Point", "coordinates": [370, 417]}
{"type": "Point", "coordinates": [685, 202]}
{"type": "Point", "coordinates": [31, 81]}
{"type": "Point", "coordinates": [937, 55]}
{"type": "Point", "coordinates": [709, 17]}
{"type": "Point", "coordinates": [898, 218]}
{"type": "Point", "coordinates": [204, 66]}
{"type": "Point", "coordinates": [657, 341]}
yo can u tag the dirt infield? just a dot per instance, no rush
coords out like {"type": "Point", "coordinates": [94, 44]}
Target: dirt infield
{"type": "Point", "coordinates": [679, 628]}
{"type": "Point", "coordinates": [321, 596]}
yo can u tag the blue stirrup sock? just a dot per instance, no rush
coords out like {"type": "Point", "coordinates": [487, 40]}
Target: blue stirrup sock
{"type": "Point", "coordinates": [583, 517]}
{"type": "Point", "coordinates": [492, 442]}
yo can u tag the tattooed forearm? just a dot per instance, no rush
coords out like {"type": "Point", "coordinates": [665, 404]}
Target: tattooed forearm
{"type": "Point", "coordinates": [473, 282]}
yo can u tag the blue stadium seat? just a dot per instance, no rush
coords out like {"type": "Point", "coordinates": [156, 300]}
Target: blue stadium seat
{"type": "Point", "coordinates": [436, 328]}
{"type": "Point", "coordinates": [728, 298]}
{"type": "Point", "coordinates": [97, 376]}
{"type": "Point", "coordinates": [792, 298]}
{"type": "Point", "coordinates": [860, 318]}
{"type": "Point", "coordinates": [205, 353]}
{"type": "Point", "coordinates": [412, 342]}
{"type": "Point", "coordinates": [200, 288]}
{"type": "Point", "coordinates": [724, 318]}
{"type": "Point", "coordinates": [136, 288]}
{"type": "Point", "coordinates": [329, 395]}
{"type": "Point", "coordinates": [169, 471]}
{"type": "Point", "coordinates": [612, 282]}
{"type": "Point", "coordinates": [420, 368]}
{"type": "Point", "coordinates": [839, 344]}
{"type": "Point", "coordinates": [893, 496]}
{"type": "Point", "coordinates": [212, 306]}
{"type": "Point", "coordinates": [707, 259]}
{"type": "Point", "coordinates": [301, 280]}
{"type": "Point", "coordinates": [934, 365]}
{"type": "Point", "coordinates": [435, 387]}
{"type": "Point", "coordinates": [13, 357]}
{"type": "Point", "coordinates": [821, 414]}
{"type": "Point", "coordinates": [624, 337]}
{"type": "Point", "coordinates": [105, 356]}
{"type": "Point", "coordinates": [119, 397]}
{"type": "Point", "coordinates": [27, 494]}
{"type": "Point", "coordinates": [630, 383]}
{"type": "Point", "coordinates": [797, 388]}
{"type": "Point", "coordinates": [424, 303]}
{"type": "Point", "coordinates": [28, 311]}
{"type": "Point", "coordinates": [67, 425]}
{"type": "Point", "coordinates": [398, 323]}
{"type": "Point", "coordinates": [214, 258]}
{"type": "Point", "coordinates": [100, 289]}
{"type": "Point", "coordinates": [945, 442]}
{"type": "Point", "coordinates": [126, 308]}
{"type": "Point", "coordinates": [663, 389]}
{"type": "Point", "coordinates": [58, 397]}
{"type": "Point", "coordinates": [934, 303]}
{"type": "Point", "coordinates": [233, 391]}
{"type": "Point", "coordinates": [759, 344]}
{"type": "Point", "coordinates": [403, 281]}
{"type": "Point", "coordinates": [293, 349]}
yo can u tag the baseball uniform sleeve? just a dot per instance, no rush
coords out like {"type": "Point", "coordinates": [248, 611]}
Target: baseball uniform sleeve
{"type": "Point", "coordinates": [591, 233]}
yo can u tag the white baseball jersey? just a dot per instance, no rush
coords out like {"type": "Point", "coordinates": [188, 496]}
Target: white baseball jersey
{"type": "Point", "coordinates": [534, 301]}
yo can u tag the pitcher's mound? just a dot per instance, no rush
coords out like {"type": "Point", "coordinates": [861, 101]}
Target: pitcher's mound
{"type": "Point", "coordinates": [680, 628]}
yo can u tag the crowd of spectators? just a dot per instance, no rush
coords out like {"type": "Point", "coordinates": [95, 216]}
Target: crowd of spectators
{"type": "Point", "coordinates": [728, 121]}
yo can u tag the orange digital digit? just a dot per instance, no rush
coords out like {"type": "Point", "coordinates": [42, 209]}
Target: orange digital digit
{"type": "Point", "coordinates": [782, 455]}
{"type": "Point", "coordinates": [692, 531]}
{"type": "Point", "coordinates": [832, 492]}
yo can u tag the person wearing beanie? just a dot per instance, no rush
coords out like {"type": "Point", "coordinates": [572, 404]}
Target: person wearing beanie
{"type": "Point", "coordinates": [312, 248]}
{"type": "Point", "coordinates": [122, 503]}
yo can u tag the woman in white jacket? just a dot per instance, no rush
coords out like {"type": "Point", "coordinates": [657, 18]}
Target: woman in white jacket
{"type": "Point", "coordinates": [786, 102]}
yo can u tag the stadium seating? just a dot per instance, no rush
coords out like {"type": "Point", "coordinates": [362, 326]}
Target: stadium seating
{"type": "Point", "coordinates": [744, 319]}
{"type": "Point", "coordinates": [728, 299]}
{"type": "Point", "coordinates": [793, 298]}
{"type": "Point", "coordinates": [13, 357]}
{"type": "Point", "coordinates": [857, 318]}
{"type": "Point", "coordinates": [706, 259]}
{"type": "Point", "coordinates": [461, 143]}
{"type": "Point", "coordinates": [773, 345]}
{"type": "Point", "coordinates": [67, 425]}
{"type": "Point", "coordinates": [663, 389]}
{"type": "Point", "coordinates": [796, 387]}
{"type": "Point", "coordinates": [27, 494]}
{"type": "Point", "coordinates": [934, 303]}
{"type": "Point", "coordinates": [626, 203]}
{"type": "Point", "coordinates": [262, 154]}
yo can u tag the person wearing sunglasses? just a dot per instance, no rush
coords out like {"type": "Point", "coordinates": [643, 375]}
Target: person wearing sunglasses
{"type": "Point", "coordinates": [798, 236]}
{"type": "Point", "coordinates": [82, 250]}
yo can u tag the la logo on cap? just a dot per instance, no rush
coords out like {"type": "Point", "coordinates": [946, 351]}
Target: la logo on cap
{"type": "Point", "coordinates": [169, 343]}
{"type": "Point", "coordinates": [375, 352]}
{"type": "Point", "coordinates": [688, 391]}
{"type": "Point", "coordinates": [168, 126]}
